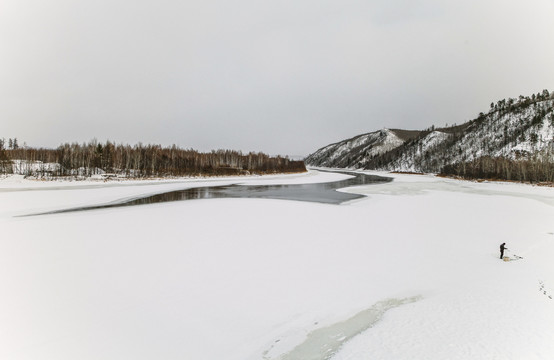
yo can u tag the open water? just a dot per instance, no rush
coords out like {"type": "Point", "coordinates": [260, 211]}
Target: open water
{"type": "Point", "coordinates": [319, 192]}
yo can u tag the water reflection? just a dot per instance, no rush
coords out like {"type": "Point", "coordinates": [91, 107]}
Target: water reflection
{"type": "Point", "coordinates": [320, 192]}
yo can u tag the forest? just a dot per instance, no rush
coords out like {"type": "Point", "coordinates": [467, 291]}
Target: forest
{"type": "Point", "coordinates": [501, 168]}
{"type": "Point", "coordinates": [138, 161]}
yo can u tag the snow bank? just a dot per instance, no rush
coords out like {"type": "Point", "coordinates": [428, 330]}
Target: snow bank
{"type": "Point", "coordinates": [19, 182]}
{"type": "Point", "coordinates": [251, 279]}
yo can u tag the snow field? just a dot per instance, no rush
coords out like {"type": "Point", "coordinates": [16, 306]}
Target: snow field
{"type": "Point", "coordinates": [20, 196]}
{"type": "Point", "coordinates": [251, 278]}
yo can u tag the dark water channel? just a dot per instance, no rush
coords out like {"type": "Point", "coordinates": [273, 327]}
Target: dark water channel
{"type": "Point", "coordinates": [319, 192]}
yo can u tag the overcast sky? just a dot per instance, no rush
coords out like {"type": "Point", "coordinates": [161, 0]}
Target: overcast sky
{"type": "Point", "coordinates": [281, 76]}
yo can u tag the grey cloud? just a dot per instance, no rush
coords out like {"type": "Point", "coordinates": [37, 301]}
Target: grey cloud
{"type": "Point", "coordinates": [282, 77]}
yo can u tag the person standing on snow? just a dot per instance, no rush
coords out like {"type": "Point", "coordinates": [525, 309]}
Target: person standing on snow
{"type": "Point", "coordinates": [502, 248]}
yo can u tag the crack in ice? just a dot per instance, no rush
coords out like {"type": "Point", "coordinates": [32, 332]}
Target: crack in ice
{"type": "Point", "coordinates": [324, 343]}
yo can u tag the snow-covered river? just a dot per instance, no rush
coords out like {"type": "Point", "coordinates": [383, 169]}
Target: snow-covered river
{"type": "Point", "coordinates": [315, 192]}
{"type": "Point", "coordinates": [409, 271]}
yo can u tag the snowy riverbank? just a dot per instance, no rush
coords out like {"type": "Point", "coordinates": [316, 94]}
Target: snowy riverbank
{"type": "Point", "coordinates": [20, 182]}
{"type": "Point", "coordinates": [410, 272]}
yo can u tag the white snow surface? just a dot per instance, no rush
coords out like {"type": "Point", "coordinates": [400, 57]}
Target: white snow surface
{"type": "Point", "coordinates": [389, 141]}
{"type": "Point", "coordinates": [410, 272]}
{"type": "Point", "coordinates": [23, 166]}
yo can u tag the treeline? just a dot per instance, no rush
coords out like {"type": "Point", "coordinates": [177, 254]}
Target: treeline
{"type": "Point", "coordinates": [500, 168]}
{"type": "Point", "coordinates": [138, 161]}
{"type": "Point", "coordinates": [511, 104]}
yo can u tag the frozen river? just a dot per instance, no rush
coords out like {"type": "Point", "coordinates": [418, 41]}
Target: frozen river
{"type": "Point", "coordinates": [316, 192]}
{"type": "Point", "coordinates": [410, 271]}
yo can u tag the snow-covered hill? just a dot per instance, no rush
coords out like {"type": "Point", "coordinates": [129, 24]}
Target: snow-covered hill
{"type": "Point", "coordinates": [348, 153]}
{"type": "Point", "coordinates": [512, 129]}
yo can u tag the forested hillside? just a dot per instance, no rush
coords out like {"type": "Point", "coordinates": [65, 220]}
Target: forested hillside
{"type": "Point", "coordinates": [514, 141]}
{"type": "Point", "coordinates": [355, 150]}
{"type": "Point", "coordinates": [93, 158]}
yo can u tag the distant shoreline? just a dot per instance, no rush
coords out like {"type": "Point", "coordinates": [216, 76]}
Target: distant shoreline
{"type": "Point", "coordinates": [116, 180]}
{"type": "Point", "coordinates": [480, 180]}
